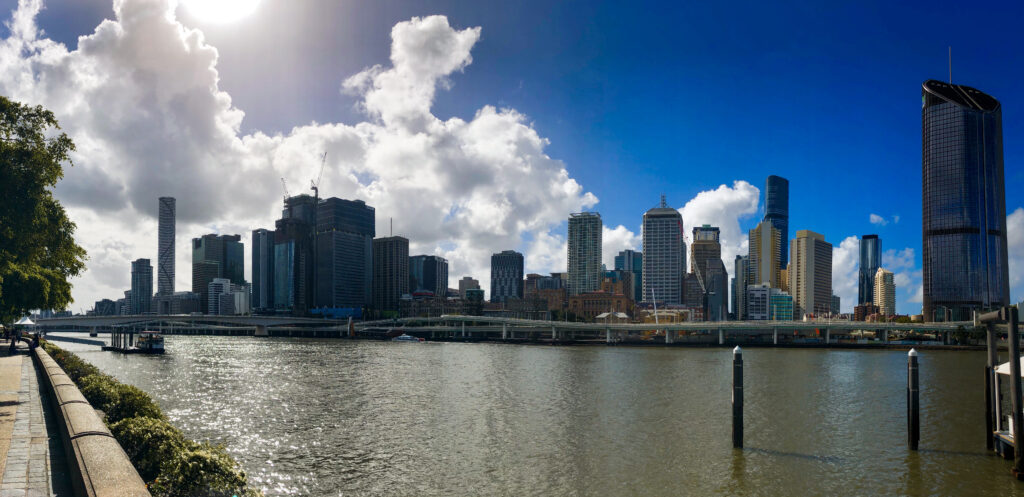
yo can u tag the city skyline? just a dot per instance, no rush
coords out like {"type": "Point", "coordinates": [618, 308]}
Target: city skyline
{"type": "Point", "coordinates": [706, 195]}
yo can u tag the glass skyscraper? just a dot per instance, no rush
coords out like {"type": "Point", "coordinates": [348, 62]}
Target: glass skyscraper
{"type": "Point", "coordinates": [664, 255]}
{"type": "Point", "coordinates": [165, 246]}
{"type": "Point", "coordinates": [776, 211]}
{"type": "Point", "coordinates": [963, 202]}
{"type": "Point", "coordinates": [870, 261]}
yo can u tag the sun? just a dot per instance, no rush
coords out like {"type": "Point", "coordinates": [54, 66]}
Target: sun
{"type": "Point", "coordinates": [220, 10]}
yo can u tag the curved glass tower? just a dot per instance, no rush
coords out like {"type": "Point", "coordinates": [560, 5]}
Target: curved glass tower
{"type": "Point", "coordinates": [870, 261]}
{"type": "Point", "coordinates": [964, 205]}
{"type": "Point", "coordinates": [776, 211]}
{"type": "Point", "coordinates": [165, 246]}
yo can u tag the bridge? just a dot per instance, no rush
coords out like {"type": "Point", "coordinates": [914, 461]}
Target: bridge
{"type": "Point", "coordinates": [258, 325]}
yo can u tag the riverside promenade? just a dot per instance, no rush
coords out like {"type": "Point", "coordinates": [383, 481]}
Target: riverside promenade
{"type": "Point", "coordinates": [32, 459]}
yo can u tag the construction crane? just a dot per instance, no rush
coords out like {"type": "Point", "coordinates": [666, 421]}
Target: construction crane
{"type": "Point", "coordinates": [284, 186]}
{"type": "Point", "coordinates": [315, 186]}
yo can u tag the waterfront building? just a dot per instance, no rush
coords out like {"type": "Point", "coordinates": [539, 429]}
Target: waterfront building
{"type": "Point", "coordinates": [216, 256]}
{"type": "Point", "coordinates": [885, 292]}
{"type": "Point", "coordinates": [177, 303]}
{"type": "Point", "coordinates": [758, 296]}
{"type": "Point", "coordinates": [780, 305]}
{"type": "Point", "coordinates": [507, 276]}
{"type": "Point", "coordinates": [965, 262]}
{"type": "Point", "coordinates": [390, 272]}
{"type": "Point", "coordinates": [861, 312]}
{"type": "Point", "coordinates": [835, 304]}
{"type": "Point", "coordinates": [765, 246]}
{"type": "Point", "coordinates": [293, 256]}
{"type": "Point", "coordinates": [203, 272]}
{"type": "Point", "coordinates": [262, 269]}
{"type": "Point", "coordinates": [467, 283]}
{"type": "Point", "coordinates": [741, 268]}
{"type": "Point", "coordinates": [124, 306]}
{"type": "Point", "coordinates": [428, 272]}
{"type": "Point", "coordinates": [590, 304]}
{"type": "Point", "coordinates": [344, 254]}
{"type": "Point", "coordinates": [631, 260]}
{"type": "Point", "coordinates": [776, 211]}
{"type": "Point", "coordinates": [810, 274]}
{"type": "Point", "coordinates": [165, 246]}
{"type": "Point", "coordinates": [215, 290]}
{"type": "Point", "coordinates": [870, 261]}
{"type": "Point", "coordinates": [105, 307]}
{"type": "Point", "coordinates": [584, 252]}
{"type": "Point", "coordinates": [142, 287]}
{"type": "Point", "coordinates": [664, 257]}
{"type": "Point", "coordinates": [717, 282]}
{"type": "Point", "coordinates": [705, 247]}
{"type": "Point", "coordinates": [619, 281]}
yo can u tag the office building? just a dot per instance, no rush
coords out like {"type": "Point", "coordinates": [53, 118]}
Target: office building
{"type": "Point", "coordinates": [262, 269]}
{"type": "Point", "coordinates": [506, 276]}
{"type": "Point", "coordinates": [705, 247]}
{"type": "Point", "coordinates": [584, 252]}
{"type": "Point", "coordinates": [177, 303]}
{"type": "Point", "coordinates": [717, 282]}
{"type": "Point", "coordinates": [780, 305]}
{"type": "Point", "coordinates": [885, 292]}
{"type": "Point", "coordinates": [741, 267]}
{"type": "Point", "coordinates": [428, 273]}
{"type": "Point", "coordinates": [390, 272]}
{"type": "Point", "coordinates": [870, 261]}
{"type": "Point", "coordinates": [810, 274]}
{"type": "Point", "coordinates": [142, 287]}
{"type": "Point", "coordinates": [863, 311]}
{"type": "Point", "coordinates": [776, 211]}
{"type": "Point", "coordinates": [664, 257]}
{"type": "Point", "coordinates": [293, 256]}
{"type": "Point", "coordinates": [765, 245]}
{"type": "Point", "coordinates": [215, 290]}
{"type": "Point", "coordinates": [964, 253]}
{"type": "Point", "coordinates": [105, 307]}
{"type": "Point", "coordinates": [216, 256]}
{"type": "Point", "coordinates": [631, 260]}
{"type": "Point", "coordinates": [165, 246]}
{"type": "Point", "coordinates": [344, 254]}
{"type": "Point", "coordinates": [758, 299]}
{"type": "Point", "coordinates": [835, 304]}
{"type": "Point", "coordinates": [467, 283]}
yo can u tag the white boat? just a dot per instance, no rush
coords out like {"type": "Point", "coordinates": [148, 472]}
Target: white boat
{"type": "Point", "coordinates": [406, 338]}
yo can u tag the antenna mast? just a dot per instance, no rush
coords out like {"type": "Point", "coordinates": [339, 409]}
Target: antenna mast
{"type": "Point", "coordinates": [950, 64]}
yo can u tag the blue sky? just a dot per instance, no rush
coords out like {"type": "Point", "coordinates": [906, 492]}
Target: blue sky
{"type": "Point", "coordinates": [641, 99]}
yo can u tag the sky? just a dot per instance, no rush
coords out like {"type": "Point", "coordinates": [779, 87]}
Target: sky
{"type": "Point", "coordinates": [479, 126]}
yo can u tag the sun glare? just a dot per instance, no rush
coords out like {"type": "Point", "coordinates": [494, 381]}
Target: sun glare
{"type": "Point", "coordinates": [220, 10]}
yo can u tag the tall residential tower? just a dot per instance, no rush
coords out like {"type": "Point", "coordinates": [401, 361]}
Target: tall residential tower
{"type": "Point", "coordinates": [870, 261]}
{"type": "Point", "coordinates": [584, 252]}
{"type": "Point", "coordinates": [776, 211]}
{"type": "Point", "coordinates": [165, 247]}
{"type": "Point", "coordinates": [664, 255]}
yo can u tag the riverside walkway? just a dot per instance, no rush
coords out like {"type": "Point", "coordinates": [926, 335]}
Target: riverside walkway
{"type": "Point", "coordinates": [32, 459]}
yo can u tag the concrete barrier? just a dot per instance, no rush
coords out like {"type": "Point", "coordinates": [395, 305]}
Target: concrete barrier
{"type": "Point", "coordinates": [97, 464]}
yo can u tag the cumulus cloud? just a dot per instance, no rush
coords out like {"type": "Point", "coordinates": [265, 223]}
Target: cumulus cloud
{"type": "Point", "coordinates": [895, 260]}
{"type": "Point", "coordinates": [617, 240]}
{"type": "Point", "coordinates": [723, 207]}
{"type": "Point", "coordinates": [140, 96]}
{"type": "Point", "coordinates": [878, 220]}
{"type": "Point", "coordinates": [845, 270]}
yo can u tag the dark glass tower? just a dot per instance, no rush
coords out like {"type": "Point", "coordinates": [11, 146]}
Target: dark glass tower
{"type": "Point", "coordinates": [776, 211]}
{"type": "Point", "coordinates": [870, 261]}
{"type": "Point", "coordinates": [964, 204]}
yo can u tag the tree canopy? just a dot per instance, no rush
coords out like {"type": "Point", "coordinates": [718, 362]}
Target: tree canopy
{"type": "Point", "coordinates": [38, 252]}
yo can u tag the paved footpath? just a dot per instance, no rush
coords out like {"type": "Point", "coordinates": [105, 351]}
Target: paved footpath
{"type": "Point", "coordinates": [32, 461]}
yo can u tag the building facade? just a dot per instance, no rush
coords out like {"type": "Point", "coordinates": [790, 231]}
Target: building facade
{"type": "Point", "coordinates": [885, 292]}
{"type": "Point", "coordinates": [765, 246]}
{"type": "Point", "coordinates": [965, 262]}
{"type": "Point", "coordinates": [165, 246]}
{"type": "Point", "coordinates": [741, 269]}
{"type": "Point", "coordinates": [810, 274]}
{"type": "Point", "coordinates": [467, 283]}
{"type": "Point", "coordinates": [870, 261]}
{"type": "Point", "coordinates": [758, 299]}
{"type": "Point", "coordinates": [344, 253]}
{"type": "Point", "coordinates": [584, 252]}
{"type": "Point", "coordinates": [776, 211]}
{"type": "Point", "coordinates": [631, 260]}
{"type": "Point", "coordinates": [780, 305]}
{"type": "Point", "coordinates": [664, 257]}
{"type": "Point", "coordinates": [142, 287]}
{"type": "Point", "coordinates": [262, 269]}
{"type": "Point", "coordinates": [430, 273]}
{"type": "Point", "coordinates": [390, 272]}
{"type": "Point", "coordinates": [216, 256]}
{"type": "Point", "coordinates": [506, 276]}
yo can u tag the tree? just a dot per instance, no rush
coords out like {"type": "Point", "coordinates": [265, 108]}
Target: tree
{"type": "Point", "coordinates": [38, 252]}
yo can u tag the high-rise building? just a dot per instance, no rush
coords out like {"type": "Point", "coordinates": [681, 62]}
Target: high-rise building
{"type": "Point", "coordinates": [780, 305]}
{"type": "Point", "coordinates": [262, 269]}
{"type": "Point", "coordinates": [203, 272]}
{"type": "Point", "coordinates": [142, 287]}
{"type": "Point", "coordinates": [870, 261]}
{"type": "Point", "coordinates": [430, 273]}
{"type": "Point", "coordinates": [835, 304]}
{"type": "Point", "coordinates": [467, 283]}
{"type": "Point", "coordinates": [584, 252]}
{"type": "Point", "coordinates": [227, 252]}
{"type": "Point", "coordinates": [215, 290]}
{"type": "Point", "coordinates": [293, 255]}
{"type": "Point", "coordinates": [758, 301]}
{"type": "Point", "coordinates": [765, 245]}
{"type": "Point", "coordinates": [705, 247]}
{"type": "Point", "coordinates": [390, 272]}
{"type": "Point", "coordinates": [165, 246]}
{"type": "Point", "coordinates": [964, 202]}
{"type": "Point", "coordinates": [506, 276]}
{"type": "Point", "coordinates": [716, 281]}
{"type": "Point", "coordinates": [631, 260]}
{"type": "Point", "coordinates": [810, 274]}
{"type": "Point", "coordinates": [344, 253]}
{"type": "Point", "coordinates": [664, 256]}
{"type": "Point", "coordinates": [776, 211]}
{"type": "Point", "coordinates": [885, 292]}
{"type": "Point", "coordinates": [741, 268]}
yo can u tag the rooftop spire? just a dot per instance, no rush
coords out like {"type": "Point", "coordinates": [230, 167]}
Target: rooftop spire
{"type": "Point", "coordinates": [663, 204]}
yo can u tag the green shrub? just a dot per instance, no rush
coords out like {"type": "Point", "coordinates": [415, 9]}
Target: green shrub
{"type": "Point", "coordinates": [131, 402]}
{"type": "Point", "coordinates": [149, 443]}
{"type": "Point", "coordinates": [201, 470]}
{"type": "Point", "coordinates": [99, 389]}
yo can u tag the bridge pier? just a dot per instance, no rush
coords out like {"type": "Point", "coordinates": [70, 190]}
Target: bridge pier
{"type": "Point", "coordinates": [504, 331]}
{"type": "Point", "coordinates": [670, 337]}
{"type": "Point", "coordinates": [775, 336]}
{"type": "Point", "coordinates": [463, 329]}
{"type": "Point", "coordinates": [721, 337]}
{"type": "Point", "coordinates": [261, 330]}
{"type": "Point", "coordinates": [828, 337]}
{"type": "Point", "coordinates": [885, 336]}
{"type": "Point", "coordinates": [607, 335]}
{"type": "Point", "coordinates": [554, 334]}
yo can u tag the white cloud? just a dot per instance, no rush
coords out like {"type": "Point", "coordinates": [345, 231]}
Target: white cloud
{"type": "Point", "coordinates": [1015, 252]}
{"type": "Point", "coordinates": [878, 220]}
{"type": "Point", "coordinates": [140, 97]}
{"type": "Point", "coordinates": [845, 267]}
{"type": "Point", "coordinates": [895, 260]}
{"type": "Point", "coordinates": [617, 240]}
{"type": "Point", "coordinates": [896, 219]}
{"type": "Point", "coordinates": [723, 207]}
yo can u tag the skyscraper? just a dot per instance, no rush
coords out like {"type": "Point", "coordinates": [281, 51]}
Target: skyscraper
{"type": "Point", "coordinates": [467, 283]}
{"type": "Point", "coordinates": [765, 245]}
{"type": "Point", "coordinates": [810, 274]}
{"type": "Point", "coordinates": [885, 292]}
{"type": "Point", "coordinates": [870, 260]}
{"type": "Point", "coordinates": [293, 255]}
{"type": "Point", "coordinates": [584, 252]}
{"type": "Point", "coordinates": [165, 246]}
{"type": "Point", "coordinates": [506, 276]}
{"type": "Point", "coordinates": [344, 257]}
{"type": "Point", "coordinates": [262, 269]}
{"type": "Point", "coordinates": [142, 287]}
{"type": "Point", "coordinates": [964, 205]}
{"type": "Point", "coordinates": [776, 211]}
{"type": "Point", "coordinates": [390, 272]}
{"type": "Point", "coordinates": [741, 267]}
{"type": "Point", "coordinates": [633, 261]}
{"type": "Point", "coordinates": [428, 272]}
{"type": "Point", "coordinates": [664, 255]}
{"type": "Point", "coordinates": [226, 252]}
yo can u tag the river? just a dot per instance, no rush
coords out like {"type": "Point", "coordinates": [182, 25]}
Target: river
{"type": "Point", "coordinates": [338, 417]}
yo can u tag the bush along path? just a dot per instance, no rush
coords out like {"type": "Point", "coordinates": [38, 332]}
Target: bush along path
{"type": "Point", "coordinates": [170, 464]}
